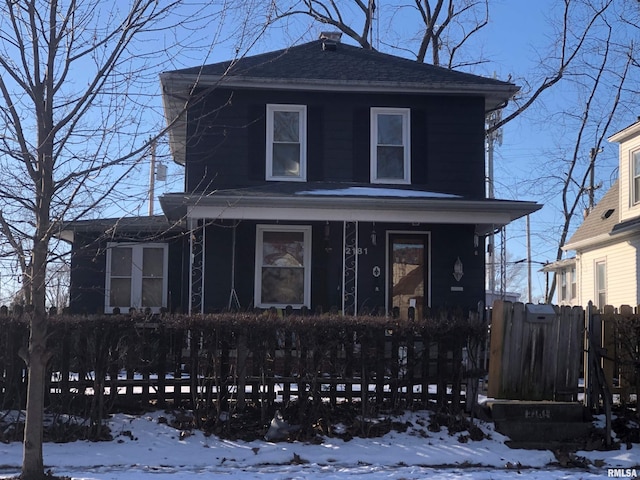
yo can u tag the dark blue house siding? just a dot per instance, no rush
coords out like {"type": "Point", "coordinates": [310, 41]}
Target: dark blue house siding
{"type": "Point", "coordinates": [449, 241]}
{"type": "Point", "coordinates": [86, 291]}
{"type": "Point", "coordinates": [88, 267]}
{"type": "Point", "coordinates": [227, 147]}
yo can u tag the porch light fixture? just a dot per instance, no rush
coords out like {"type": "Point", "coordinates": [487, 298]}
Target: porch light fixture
{"type": "Point", "coordinates": [374, 235]}
{"type": "Point", "coordinates": [327, 232]}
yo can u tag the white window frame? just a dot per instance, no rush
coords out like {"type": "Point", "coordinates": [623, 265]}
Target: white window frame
{"type": "Point", "coordinates": [406, 144]}
{"type": "Point", "coordinates": [573, 283]}
{"type": "Point", "coordinates": [302, 135]}
{"type": "Point", "coordinates": [563, 285]}
{"type": "Point", "coordinates": [136, 275]}
{"type": "Point", "coordinates": [600, 289]}
{"type": "Point", "coordinates": [260, 230]}
{"type": "Point", "coordinates": [635, 191]}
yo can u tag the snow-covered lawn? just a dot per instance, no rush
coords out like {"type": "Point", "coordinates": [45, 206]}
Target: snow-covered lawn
{"type": "Point", "coordinates": [145, 448]}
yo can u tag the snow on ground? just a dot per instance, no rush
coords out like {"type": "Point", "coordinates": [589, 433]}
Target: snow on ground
{"type": "Point", "coordinates": [144, 449]}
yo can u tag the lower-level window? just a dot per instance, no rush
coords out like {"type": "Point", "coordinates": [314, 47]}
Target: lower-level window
{"type": "Point", "coordinates": [136, 276]}
{"type": "Point", "coordinates": [283, 266]}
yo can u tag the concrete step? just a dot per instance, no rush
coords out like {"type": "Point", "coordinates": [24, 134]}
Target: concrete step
{"type": "Point", "coordinates": [540, 424]}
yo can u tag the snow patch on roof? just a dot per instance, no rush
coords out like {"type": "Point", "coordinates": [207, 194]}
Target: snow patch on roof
{"type": "Point", "coordinates": [377, 192]}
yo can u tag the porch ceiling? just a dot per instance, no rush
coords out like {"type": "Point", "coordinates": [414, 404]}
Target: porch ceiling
{"type": "Point", "coordinates": [363, 204]}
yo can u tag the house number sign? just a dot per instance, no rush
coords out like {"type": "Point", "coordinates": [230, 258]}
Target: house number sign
{"type": "Point", "coordinates": [356, 251]}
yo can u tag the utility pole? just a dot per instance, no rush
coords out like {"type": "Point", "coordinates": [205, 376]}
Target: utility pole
{"type": "Point", "coordinates": [152, 177]}
{"type": "Point", "coordinates": [529, 287]}
{"type": "Point", "coordinates": [493, 137]}
{"type": "Point", "coordinates": [593, 153]}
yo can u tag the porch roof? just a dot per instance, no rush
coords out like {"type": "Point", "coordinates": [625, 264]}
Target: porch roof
{"type": "Point", "coordinates": [293, 201]}
{"type": "Point", "coordinates": [149, 227]}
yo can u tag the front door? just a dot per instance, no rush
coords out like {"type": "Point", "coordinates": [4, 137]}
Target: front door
{"type": "Point", "coordinates": [408, 272]}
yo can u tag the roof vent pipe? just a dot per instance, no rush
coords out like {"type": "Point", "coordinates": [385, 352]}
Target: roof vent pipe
{"type": "Point", "coordinates": [330, 40]}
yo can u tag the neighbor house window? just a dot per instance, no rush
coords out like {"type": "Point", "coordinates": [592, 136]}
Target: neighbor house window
{"type": "Point", "coordinates": [136, 276]}
{"type": "Point", "coordinates": [563, 285]}
{"type": "Point", "coordinates": [286, 142]}
{"type": "Point", "coordinates": [635, 173]}
{"type": "Point", "coordinates": [568, 287]}
{"type": "Point", "coordinates": [601, 283]}
{"type": "Point", "coordinates": [390, 145]}
{"type": "Point", "coordinates": [283, 266]}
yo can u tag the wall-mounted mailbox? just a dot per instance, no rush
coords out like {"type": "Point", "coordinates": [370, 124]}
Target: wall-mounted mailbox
{"type": "Point", "coordinates": [539, 313]}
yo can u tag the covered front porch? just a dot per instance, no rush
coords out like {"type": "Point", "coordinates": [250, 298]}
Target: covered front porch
{"type": "Point", "coordinates": [352, 249]}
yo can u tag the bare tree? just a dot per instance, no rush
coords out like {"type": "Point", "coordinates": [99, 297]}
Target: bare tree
{"type": "Point", "coordinates": [604, 89]}
{"type": "Point", "coordinates": [80, 107]}
{"type": "Point", "coordinates": [574, 33]}
{"type": "Point", "coordinates": [590, 59]}
{"type": "Point", "coordinates": [443, 26]}
{"type": "Point", "coordinates": [340, 17]}
{"type": "Point", "coordinates": [58, 282]}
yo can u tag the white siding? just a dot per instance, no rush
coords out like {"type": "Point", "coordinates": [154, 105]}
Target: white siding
{"type": "Point", "coordinates": [627, 148]}
{"type": "Point", "coordinates": [622, 273]}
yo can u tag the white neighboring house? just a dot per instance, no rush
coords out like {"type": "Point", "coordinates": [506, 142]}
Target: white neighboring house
{"type": "Point", "coordinates": [567, 284]}
{"type": "Point", "coordinates": [606, 266]}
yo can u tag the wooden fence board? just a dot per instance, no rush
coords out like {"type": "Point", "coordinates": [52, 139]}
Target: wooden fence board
{"type": "Point", "coordinates": [536, 354]}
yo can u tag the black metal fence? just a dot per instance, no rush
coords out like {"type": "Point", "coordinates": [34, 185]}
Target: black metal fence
{"type": "Point", "coordinates": [228, 361]}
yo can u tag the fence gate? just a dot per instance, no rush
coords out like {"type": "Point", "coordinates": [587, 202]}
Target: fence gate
{"type": "Point", "coordinates": [535, 352]}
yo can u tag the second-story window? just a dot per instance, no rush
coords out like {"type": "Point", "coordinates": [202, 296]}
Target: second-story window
{"type": "Point", "coordinates": [286, 142]}
{"type": "Point", "coordinates": [390, 145]}
{"type": "Point", "coordinates": [635, 172]}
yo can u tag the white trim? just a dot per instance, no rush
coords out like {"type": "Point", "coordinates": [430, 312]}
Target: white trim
{"type": "Point", "coordinates": [302, 137]}
{"type": "Point", "coordinates": [306, 230]}
{"type": "Point", "coordinates": [137, 250]}
{"type": "Point", "coordinates": [634, 197]}
{"type": "Point", "coordinates": [370, 214]}
{"type": "Point", "coordinates": [405, 113]}
{"type": "Point", "coordinates": [596, 286]}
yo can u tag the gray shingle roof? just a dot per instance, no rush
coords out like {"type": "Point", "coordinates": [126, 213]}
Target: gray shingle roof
{"type": "Point", "coordinates": [310, 67]}
{"type": "Point", "coordinates": [347, 63]}
{"type": "Point", "coordinates": [149, 225]}
{"type": "Point", "coordinates": [601, 220]}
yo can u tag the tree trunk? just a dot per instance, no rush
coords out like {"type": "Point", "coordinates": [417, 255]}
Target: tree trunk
{"type": "Point", "coordinates": [36, 359]}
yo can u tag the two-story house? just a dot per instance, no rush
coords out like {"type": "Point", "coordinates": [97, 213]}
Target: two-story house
{"type": "Point", "coordinates": [322, 176]}
{"type": "Point", "coordinates": [606, 265]}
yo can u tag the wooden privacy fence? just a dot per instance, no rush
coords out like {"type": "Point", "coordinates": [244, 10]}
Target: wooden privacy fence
{"type": "Point", "coordinates": [536, 351]}
{"type": "Point", "coordinates": [616, 334]}
{"type": "Point", "coordinates": [229, 360]}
